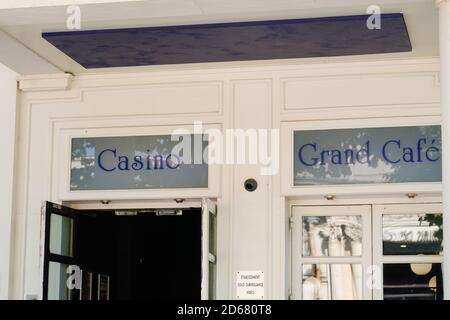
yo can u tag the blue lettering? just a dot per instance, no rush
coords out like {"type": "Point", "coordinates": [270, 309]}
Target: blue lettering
{"type": "Point", "coordinates": [349, 157]}
{"type": "Point", "coordinates": [300, 155]}
{"type": "Point", "coordinates": [336, 157]}
{"type": "Point", "coordinates": [385, 146]}
{"type": "Point", "coordinates": [99, 159]}
{"type": "Point", "coordinates": [408, 154]}
{"type": "Point", "coordinates": [123, 163]}
{"type": "Point", "coordinates": [170, 163]}
{"type": "Point", "coordinates": [322, 156]}
{"type": "Point", "coordinates": [149, 166]}
{"type": "Point", "coordinates": [432, 150]}
{"type": "Point", "coordinates": [419, 149]}
{"type": "Point", "coordinates": [137, 164]}
{"type": "Point", "coordinates": [159, 164]}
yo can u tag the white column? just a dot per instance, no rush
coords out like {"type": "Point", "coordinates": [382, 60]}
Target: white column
{"type": "Point", "coordinates": [444, 43]}
{"type": "Point", "coordinates": [8, 92]}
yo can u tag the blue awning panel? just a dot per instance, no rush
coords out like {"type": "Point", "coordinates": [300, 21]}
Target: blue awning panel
{"type": "Point", "coordinates": [278, 39]}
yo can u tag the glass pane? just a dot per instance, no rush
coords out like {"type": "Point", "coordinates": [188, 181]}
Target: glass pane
{"type": "Point", "coordinates": [57, 282]}
{"type": "Point", "coordinates": [139, 162]}
{"type": "Point", "coordinates": [332, 236]}
{"type": "Point", "coordinates": [61, 230]}
{"type": "Point", "coordinates": [212, 281]}
{"type": "Point", "coordinates": [417, 281]}
{"type": "Point", "coordinates": [367, 155]}
{"type": "Point", "coordinates": [332, 282]}
{"type": "Point", "coordinates": [412, 234]}
{"type": "Point", "coordinates": [213, 234]}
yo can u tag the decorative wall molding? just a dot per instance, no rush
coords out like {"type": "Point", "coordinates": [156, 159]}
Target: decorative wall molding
{"type": "Point", "coordinates": [171, 98]}
{"type": "Point", "coordinates": [45, 82]}
{"type": "Point", "coordinates": [206, 72]}
{"type": "Point", "coordinates": [359, 90]}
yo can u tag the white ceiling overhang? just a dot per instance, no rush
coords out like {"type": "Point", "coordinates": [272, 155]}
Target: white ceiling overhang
{"type": "Point", "coordinates": [23, 21]}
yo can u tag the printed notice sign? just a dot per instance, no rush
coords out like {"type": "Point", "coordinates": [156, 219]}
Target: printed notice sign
{"type": "Point", "coordinates": [250, 285]}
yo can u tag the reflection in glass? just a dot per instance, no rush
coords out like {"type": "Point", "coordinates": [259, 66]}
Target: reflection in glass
{"type": "Point", "coordinates": [332, 282]}
{"type": "Point", "coordinates": [412, 234]}
{"type": "Point", "coordinates": [418, 281]}
{"type": "Point", "coordinates": [103, 287]}
{"type": "Point", "coordinates": [212, 281]}
{"type": "Point", "coordinates": [213, 234]}
{"type": "Point", "coordinates": [86, 285]}
{"type": "Point", "coordinates": [57, 282]}
{"type": "Point", "coordinates": [332, 236]}
{"type": "Point", "coordinates": [61, 229]}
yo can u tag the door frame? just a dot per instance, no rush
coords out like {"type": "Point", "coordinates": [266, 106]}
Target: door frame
{"type": "Point", "coordinates": [208, 206]}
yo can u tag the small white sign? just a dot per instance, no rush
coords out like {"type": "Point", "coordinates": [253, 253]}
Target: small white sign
{"type": "Point", "coordinates": [250, 285]}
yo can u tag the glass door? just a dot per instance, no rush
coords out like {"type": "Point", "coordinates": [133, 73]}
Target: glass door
{"type": "Point", "coordinates": [60, 256]}
{"type": "Point", "coordinates": [407, 243]}
{"type": "Point", "coordinates": [331, 252]}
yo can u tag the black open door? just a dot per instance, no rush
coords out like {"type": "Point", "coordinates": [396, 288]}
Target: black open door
{"type": "Point", "coordinates": [60, 253]}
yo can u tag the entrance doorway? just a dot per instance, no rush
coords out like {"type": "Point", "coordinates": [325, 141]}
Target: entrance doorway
{"type": "Point", "coordinates": [127, 254]}
{"type": "Point", "coordinates": [391, 252]}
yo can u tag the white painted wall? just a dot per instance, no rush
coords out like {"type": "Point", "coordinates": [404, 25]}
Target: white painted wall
{"type": "Point", "coordinates": [251, 226]}
{"type": "Point", "coordinates": [8, 93]}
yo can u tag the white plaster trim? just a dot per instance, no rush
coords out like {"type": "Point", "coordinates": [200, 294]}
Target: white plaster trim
{"type": "Point", "coordinates": [45, 82]}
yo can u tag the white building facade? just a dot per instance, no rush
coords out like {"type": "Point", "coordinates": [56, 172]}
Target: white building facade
{"type": "Point", "coordinates": [333, 239]}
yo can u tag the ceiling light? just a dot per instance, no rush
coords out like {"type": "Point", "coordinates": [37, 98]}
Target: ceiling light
{"type": "Point", "coordinates": [421, 269]}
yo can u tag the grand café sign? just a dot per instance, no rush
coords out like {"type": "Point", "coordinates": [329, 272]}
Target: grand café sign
{"type": "Point", "coordinates": [367, 155]}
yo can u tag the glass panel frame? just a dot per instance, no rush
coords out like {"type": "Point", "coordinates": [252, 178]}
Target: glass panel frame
{"type": "Point", "coordinates": [373, 261]}
{"type": "Point", "coordinates": [365, 259]}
